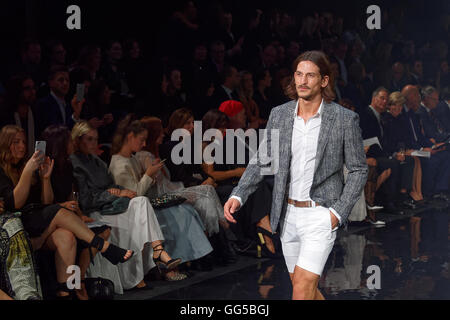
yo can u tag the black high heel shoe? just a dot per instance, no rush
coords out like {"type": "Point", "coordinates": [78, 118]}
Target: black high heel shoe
{"type": "Point", "coordinates": [114, 254]}
{"type": "Point", "coordinates": [62, 287]}
{"type": "Point", "coordinates": [169, 265]}
{"type": "Point", "coordinates": [262, 246]}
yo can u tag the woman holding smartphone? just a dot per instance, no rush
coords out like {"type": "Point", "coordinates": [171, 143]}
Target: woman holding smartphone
{"type": "Point", "coordinates": [50, 226]}
{"type": "Point", "coordinates": [184, 229]}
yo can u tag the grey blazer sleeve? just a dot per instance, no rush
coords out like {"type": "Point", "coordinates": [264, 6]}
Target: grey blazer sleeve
{"type": "Point", "coordinates": [355, 161]}
{"type": "Point", "coordinates": [252, 175]}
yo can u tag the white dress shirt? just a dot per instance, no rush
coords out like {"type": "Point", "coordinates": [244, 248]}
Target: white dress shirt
{"type": "Point", "coordinates": [305, 137]}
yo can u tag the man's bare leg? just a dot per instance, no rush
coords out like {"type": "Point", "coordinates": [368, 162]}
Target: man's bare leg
{"type": "Point", "coordinates": [304, 285]}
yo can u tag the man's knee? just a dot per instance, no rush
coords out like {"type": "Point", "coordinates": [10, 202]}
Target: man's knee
{"type": "Point", "coordinates": [304, 282]}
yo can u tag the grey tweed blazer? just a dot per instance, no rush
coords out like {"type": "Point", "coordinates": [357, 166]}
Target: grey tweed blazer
{"type": "Point", "coordinates": [340, 142]}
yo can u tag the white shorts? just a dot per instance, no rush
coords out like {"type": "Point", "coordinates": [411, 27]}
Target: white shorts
{"type": "Point", "coordinates": [307, 238]}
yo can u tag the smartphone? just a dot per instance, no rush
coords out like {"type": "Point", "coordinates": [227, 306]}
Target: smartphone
{"type": "Point", "coordinates": [80, 91]}
{"type": "Point", "coordinates": [41, 146]}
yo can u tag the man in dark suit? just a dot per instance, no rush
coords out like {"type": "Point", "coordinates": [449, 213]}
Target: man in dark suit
{"type": "Point", "coordinates": [54, 108]}
{"type": "Point", "coordinates": [443, 109]}
{"type": "Point", "coordinates": [436, 169]}
{"type": "Point", "coordinates": [432, 124]}
{"type": "Point", "coordinates": [372, 126]}
{"type": "Point", "coordinates": [227, 90]}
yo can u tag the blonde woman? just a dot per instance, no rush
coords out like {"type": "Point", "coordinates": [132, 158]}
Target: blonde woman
{"type": "Point", "coordinates": [396, 140]}
{"type": "Point", "coordinates": [132, 219]}
{"type": "Point", "coordinates": [50, 226]}
{"type": "Point", "coordinates": [184, 230]}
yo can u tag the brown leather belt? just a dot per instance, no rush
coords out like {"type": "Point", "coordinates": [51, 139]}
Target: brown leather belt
{"type": "Point", "coordinates": [302, 204]}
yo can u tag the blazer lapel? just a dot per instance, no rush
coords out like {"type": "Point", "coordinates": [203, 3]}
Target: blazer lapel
{"type": "Point", "coordinates": [286, 136]}
{"type": "Point", "coordinates": [328, 115]}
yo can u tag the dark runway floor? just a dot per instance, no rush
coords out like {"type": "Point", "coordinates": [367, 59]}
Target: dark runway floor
{"type": "Point", "coordinates": [410, 256]}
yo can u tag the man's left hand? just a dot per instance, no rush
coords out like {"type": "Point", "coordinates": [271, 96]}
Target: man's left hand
{"type": "Point", "coordinates": [334, 220]}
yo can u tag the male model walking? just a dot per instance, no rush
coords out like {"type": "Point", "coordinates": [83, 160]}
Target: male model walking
{"type": "Point", "coordinates": [310, 199]}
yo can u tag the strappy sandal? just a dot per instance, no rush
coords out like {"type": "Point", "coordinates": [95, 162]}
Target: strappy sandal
{"type": "Point", "coordinates": [63, 287]}
{"type": "Point", "coordinates": [169, 265]}
{"type": "Point", "coordinates": [76, 294]}
{"type": "Point", "coordinates": [114, 254]}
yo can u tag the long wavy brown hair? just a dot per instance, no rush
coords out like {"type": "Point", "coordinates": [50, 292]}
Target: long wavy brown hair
{"type": "Point", "coordinates": [154, 128]}
{"type": "Point", "coordinates": [7, 135]}
{"type": "Point", "coordinates": [129, 124]}
{"type": "Point", "coordinates": [178, 119]}
{"type": "Point", "coordinates": [321, 61]}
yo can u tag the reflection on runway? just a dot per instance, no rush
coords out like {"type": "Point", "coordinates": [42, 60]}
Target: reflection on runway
{"type": "Point", "coordinates": [412, 255]}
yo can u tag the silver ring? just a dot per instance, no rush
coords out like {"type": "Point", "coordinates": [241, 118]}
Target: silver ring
{"type": "Point", "coordinates": [73, 206]}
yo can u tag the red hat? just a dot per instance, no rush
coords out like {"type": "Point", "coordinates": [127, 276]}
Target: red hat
{"type": "Point", "coordinates": [231, 107]}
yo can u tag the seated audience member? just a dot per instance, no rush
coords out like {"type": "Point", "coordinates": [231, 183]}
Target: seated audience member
{"type": "Point", "coordinates": [255, 212]}
{"type": "Point", "coordinates": [111, 69]}
{"type": "Point", "coordinates": [30, 62]}
{"type": "Point", "coordinates": [184, 227]}
{"type": "Point", "coordinates": [202, 197]}
{"type": "Point", "coordinates": [59, 147]}
{"type": "Point", "coordinates": [50, 226]}
{"type": "Point", "coordinates": [365, 209]}
{"type": "Point", "coordinates": [89, 58]}
{"type": "Point", "coordinates": [436, 169]}
{"type": "Point", "coordinates": [191, 174]}
{"type": "Point", "coordinates": [396, 140]}
{"type": "Point", "coordinates": [263, 81]}
{"type": "Point", "coordinates": [54, 108]}
{"type": "Point", "coordinates": [172, 95]}
{"type": "Point", "coordinates": [97, 110]}
{"type": "Point", "coordinates": [18, 276]}
{"type": "Point", "coordinates": [134, 67]}
{"type": "Point", "coordinates": [132, 219]}
{"type": "Point", "coordinates": [443, 109]}
{"type": "Point", "coordinates": [401, 168]}
{"type": "Point", "coordinates": [20, 98]}
{"type": "Point", "coordinates": [227, 90]}
{"type": "Point", "coordinates": [433, 126]}
{"type": "Point", "coordinates": [246, 97]}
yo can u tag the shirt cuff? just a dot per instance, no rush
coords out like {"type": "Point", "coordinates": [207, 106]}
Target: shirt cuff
{"type": "Point", "coordinates": [337, 216]}
{"type": "Point", "coordinates": [237, 198]}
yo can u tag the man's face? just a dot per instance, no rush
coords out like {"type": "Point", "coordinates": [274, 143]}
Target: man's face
{"type": "Point", "coordinates": [379, 102]}
{"type": "Point", "coordinates": [59, 54]}
{"type": "Point", "coordinates": [60, 83]}
{"type": "Point", "coordinates": [308, 80]}
{"type": "Point", "coordinates": [270, 56]}
{"type": "Point", "coordinates": [397, 71]}
{"type": "Point", "coordinates": [218, 53]}
{"type": "Point", "coordinates": [175, 79]}
{"type": "Point", "coordinates": [413, 99]}
{"type": "Point", "coordinates": [235, 79]}
{"type": "Point", "coordinates": [115, 51]}
{"type": "Point", "coordinates": [432, 100]}
{"type": "Point", "coordinates": [28, 92]}
{"type": "Point", "coordinates": [418, 68]}
{"type": "Point", "coordinates": [33, 54]}
{"type": "Point", "coordinates": [200, 53]}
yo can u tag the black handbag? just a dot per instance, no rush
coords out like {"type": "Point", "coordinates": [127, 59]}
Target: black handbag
{"type": "Point", "coordinates": [99, 288]}
{"type": "Point", "coordinates": [166, 201]}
